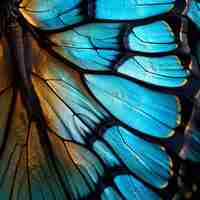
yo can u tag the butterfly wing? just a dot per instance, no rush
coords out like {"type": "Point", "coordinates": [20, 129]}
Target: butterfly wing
{"type": "Point", "coordinates": [73, 114]}
{"type": "Point", "coordinates": [32, 168]}
{"type": "Point", "coordinates": [107, 81]}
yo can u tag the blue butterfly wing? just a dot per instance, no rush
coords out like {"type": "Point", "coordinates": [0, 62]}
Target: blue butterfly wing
{"type": "Point", "coordinates": [52, 14]}
{"type": "Point", "coordinates": [74, 115]}
{"type": "Point", "coordinates": [105, 46]}
{"type": "Point", "coordinates": [107, 82]}
{"type": "Point", "coordinates": [59, 13]}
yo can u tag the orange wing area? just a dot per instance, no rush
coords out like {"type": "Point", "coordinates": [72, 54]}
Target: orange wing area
{"type": "Point", "coordinates": [35, 162]}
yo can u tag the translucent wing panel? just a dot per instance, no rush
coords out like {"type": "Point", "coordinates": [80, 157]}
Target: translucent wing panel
{"type": "Point", "coordinates": [162, 71]}
{"type": "Point", "coordinates": [135, 105]}
{"type": "Point", "coordinates": [93, 46]}
{"type": "Point", "coordinates": [117, 47]}
{"type": "Point", "coordinates": [68, 107]}
{"type": "Point", "coordinates": [11, 156]}
{"type": "Point", "coordinates": [147, 161]}
{"type": "Point", "coordinates": [67, 169]}
{"type": "Point", "coordinates": [69, 113]}
{"type": "Point", "coordinates": [80, 169]}
{"type": "Point", "coordinates": [128, 188]}
{"type": "Point", "coordinates": [49, 15]}
{"type": "Point", "coordinates": [131, 9]}
{"type": "Point", "coordinates": [37, 164]}
{"type": "Point", "coordinates": [153, 37]}
{"type": "Point", "coordinates": [132, 188]}
{"type": "Point", "coordinates": [52, 14]}
{"type": "Point", "coordinates": [84, 142]}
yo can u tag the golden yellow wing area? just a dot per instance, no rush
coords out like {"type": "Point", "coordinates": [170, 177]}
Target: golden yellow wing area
{"type": "Point", "coordinates": [36, 162]}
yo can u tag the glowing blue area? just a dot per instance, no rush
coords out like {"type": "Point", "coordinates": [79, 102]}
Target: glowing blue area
{"type": "Point", "coordinates": [131, 9]}
{"type": "Point", "coordinates": [164, 71]}
{"type": "Point", "coordinates": [52, 14]}
{"type": "Point", "coordinates": [147, 160]}
{"type": "Point", "coordinates": [135, 105]}
{"type": "Point", "coordinates": [93, 46]}
{"type": "Point", "coordinates": [153, 38]}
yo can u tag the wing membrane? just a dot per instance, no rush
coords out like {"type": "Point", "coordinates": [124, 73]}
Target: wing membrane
{"type": "Point", "coordinates": [103, 113]}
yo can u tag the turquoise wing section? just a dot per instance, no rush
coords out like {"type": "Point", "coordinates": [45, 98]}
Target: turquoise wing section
{"type": "Point", "coordinates": [164, 71]}
{"type": "Point", "coordinates": [135, 105]}
{"type": "Point", "coordinates": [147, 161]}
{"type": "Point", "coordinates": [131, 9]}
{"type": "Point", "coordinates": [102, 45]}
{"type": "Point", "coordinates": [53, 14]}
{"type": "Point", "coordinates": [93, 46]}
{"type": "Point", "coordinates": [113, 47]}
{"type": "Point", "coordinates": [137, 191]}
{"type": "Point", "coordinates": [154, 37]}
{"type": "Point", "coordinates": [129, 188]}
